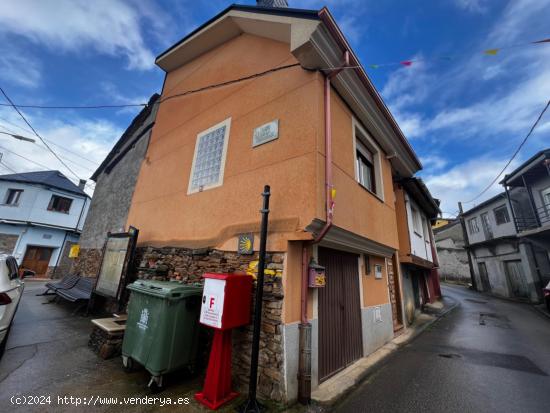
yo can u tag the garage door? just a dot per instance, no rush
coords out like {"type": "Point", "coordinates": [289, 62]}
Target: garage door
{"type": "Point", "coordinates": [340, 340]}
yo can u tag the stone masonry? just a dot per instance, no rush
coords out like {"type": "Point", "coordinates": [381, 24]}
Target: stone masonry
{"type": "Point", "coordinates": [189, 266]}
{"type": "Point", "coordinates": [87, 263]}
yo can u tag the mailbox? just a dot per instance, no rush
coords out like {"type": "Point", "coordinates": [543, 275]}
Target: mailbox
{"type": "Point", "coordinates": [226, 300]}
{"type": "Point", "coordinates": [317, 276]}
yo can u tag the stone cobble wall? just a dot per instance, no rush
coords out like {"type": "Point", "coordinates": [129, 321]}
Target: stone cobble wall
{"type": "Point", "coordinates": [87, 263]}
{"type": "Point", "coordinates": [189, 266]}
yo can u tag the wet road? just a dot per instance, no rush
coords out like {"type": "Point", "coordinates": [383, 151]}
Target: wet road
{"type": "Point", "coordinates": [488, 355]}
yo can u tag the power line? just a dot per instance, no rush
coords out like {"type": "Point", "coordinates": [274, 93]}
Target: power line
{"type": "Point", "coordinates": [36, 133]}
{"type": "Point", "coordinates": [129, 105]}
{"type": "Point", "coordinates": [31, 161]}
{"type": "Point", "coordinates": [513, 156]}
{"type": "Point", "coordinates": [96, 164]}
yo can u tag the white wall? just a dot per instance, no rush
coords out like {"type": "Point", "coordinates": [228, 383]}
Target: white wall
{"type": "Point", "coordinates": [37, 236]}
{"type": "Point", "coordinates": [420, 241]}
{"type": "Point", "coordinates": [33, 206]}
{"type": "Point", "coordinates": [499, 231]}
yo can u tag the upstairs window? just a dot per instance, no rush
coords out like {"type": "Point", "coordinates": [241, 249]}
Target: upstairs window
{"type": "Point", "coordinates": [501, 215]}
{"type": "Point", "coordinates": [209, 159]}
{"type": "Point", "coordinates": [13, 196]}
{"type": "Point", "coordinates": [367, 155]}
{"type": "Point", "coordinates": [60, 204]}
{"type": "Point", "coordinates": [472, 225]}
{"type": "Point", "coordinates": [365, 167]}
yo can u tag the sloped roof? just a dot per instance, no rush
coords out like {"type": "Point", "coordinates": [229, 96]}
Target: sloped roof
{"type": "Point", "coordinates": [129, 133]}
{"type": "Point", "coordinates": [421, 194]}
{"type": "Point", "coordinates": [52, 179]}
{"type": "Point", "coordinates": [317, 43]}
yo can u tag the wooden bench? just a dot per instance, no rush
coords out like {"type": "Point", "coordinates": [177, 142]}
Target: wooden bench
{"type": "Point", "coordinates": [67, 282]}
{"type": "Point", "coordinates": [81, 291]}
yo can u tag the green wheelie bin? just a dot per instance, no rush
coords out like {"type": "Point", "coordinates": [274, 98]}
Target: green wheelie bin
{"type": "Point", "coordinates": [162, 329]}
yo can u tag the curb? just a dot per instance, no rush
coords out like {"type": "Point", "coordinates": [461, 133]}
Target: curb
{"type": "Point", "coordinates": [390, 348]}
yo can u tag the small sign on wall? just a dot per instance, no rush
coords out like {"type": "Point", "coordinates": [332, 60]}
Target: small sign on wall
{"type": "Point", "coordinates": [378, 271]}
{"type": "Point", "coordinates": [74, 251]}
{"type": "Point", "coordinates": [246, 244]}
{"type": "Point", "coordinates": [265, 133]}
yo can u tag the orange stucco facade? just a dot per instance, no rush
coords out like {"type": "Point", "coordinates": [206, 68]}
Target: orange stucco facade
{"type": "Point", "coordinates": [293, 164]}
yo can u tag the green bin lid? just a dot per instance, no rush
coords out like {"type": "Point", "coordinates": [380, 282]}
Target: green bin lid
{"type": "Point", "coordinates": [166, 289]}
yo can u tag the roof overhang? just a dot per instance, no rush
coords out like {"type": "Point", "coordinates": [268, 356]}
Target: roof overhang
{"type": "Point", "coordinates": [416, 188]}
{"type": "Point", "coordinates": [534, 165]}
{"type": "Point", "coordinates": [317, 43]}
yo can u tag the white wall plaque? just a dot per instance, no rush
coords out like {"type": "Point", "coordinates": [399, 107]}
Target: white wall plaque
{"type": "Point", "coordinates": [378, 271]}
{"type": "Point", "coordinates": [212, 302]}
{"type": "Point", "coordinates": [266, 133]}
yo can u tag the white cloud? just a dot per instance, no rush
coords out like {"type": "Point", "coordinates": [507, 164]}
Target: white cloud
{"type": "Point", "coordinates": [465, 181]}
{"type": "Point", "coordinates": [110, 27]}
{"type": "Point", "coordinates": [17, 67]}
{"type": "Point", "coordinates": [81, 143]}
{"type": "Point", "coordinates": [433, 162]}
{"type": "Point", "coordinates": [474, 6]}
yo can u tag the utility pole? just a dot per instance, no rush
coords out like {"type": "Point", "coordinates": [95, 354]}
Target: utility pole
{"type": "Point", "coordinates": [467, 245]}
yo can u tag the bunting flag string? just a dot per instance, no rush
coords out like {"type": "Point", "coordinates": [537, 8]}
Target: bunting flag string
{"type": "Point", "coordinates": [488, 52]}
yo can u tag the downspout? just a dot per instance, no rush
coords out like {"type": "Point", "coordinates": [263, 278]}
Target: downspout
{"type": "Point", "coordinates": [304, 369]}
{"type": "Point", "coordinates": [435, 260]}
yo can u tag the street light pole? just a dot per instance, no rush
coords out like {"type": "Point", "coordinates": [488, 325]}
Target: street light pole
{"type": "Point", "coordinates": [19, 137]}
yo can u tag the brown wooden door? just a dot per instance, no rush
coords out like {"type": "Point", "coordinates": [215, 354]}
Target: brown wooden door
{"type": "Point", "coordinates": [37, 259]}
{"type": "Point", "coordinates": [340, 339]}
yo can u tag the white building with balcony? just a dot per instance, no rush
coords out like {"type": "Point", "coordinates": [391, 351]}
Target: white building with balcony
{"type": "Point", "coordinates": [502, 262]}
{"type": "Point", "coordinates": [528, 191]}
{"type": "Point", "coordinates": [41, 217]}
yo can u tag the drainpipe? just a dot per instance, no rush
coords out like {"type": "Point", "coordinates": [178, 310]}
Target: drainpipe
{"type": "Point", "coordinates": [304, 368]}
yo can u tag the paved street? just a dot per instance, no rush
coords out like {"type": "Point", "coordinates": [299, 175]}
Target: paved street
{"type": "Point", "coordinates": [488, 355]}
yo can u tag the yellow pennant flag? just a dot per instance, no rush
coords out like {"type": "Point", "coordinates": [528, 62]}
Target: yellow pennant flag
{"type": "Point", "coordinates": [333, 193]}
{"type": "Point", "coordinates": [491, 52]}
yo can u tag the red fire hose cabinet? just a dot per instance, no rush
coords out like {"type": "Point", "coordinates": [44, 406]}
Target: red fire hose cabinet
{"type": "Point", "coordinates": [226, 301]}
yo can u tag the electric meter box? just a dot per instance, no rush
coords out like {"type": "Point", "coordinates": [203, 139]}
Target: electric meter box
{"type": "Point", "coordinates": [226, 300]}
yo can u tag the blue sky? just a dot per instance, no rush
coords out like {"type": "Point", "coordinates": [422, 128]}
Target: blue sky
{"type": "Point", "coordinates": [464, 117]}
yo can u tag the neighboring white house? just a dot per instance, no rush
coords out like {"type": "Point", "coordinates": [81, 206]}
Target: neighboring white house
{"type": "Point", "coordinates": [41, 216]}
{"type": "Point", "coordinates": [502, 262]}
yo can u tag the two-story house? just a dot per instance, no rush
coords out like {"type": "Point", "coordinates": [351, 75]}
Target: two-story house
{"type": "Point", "coordinates": [41, 216]}
{"type": "Point", "coordinates": [416, 209]}
{"type": "Point", "coordinates": [501, 262]}
{"type": "Point", "coordinates": [528, 191]}
{"type": "Point", "coordinates": [276, 96]}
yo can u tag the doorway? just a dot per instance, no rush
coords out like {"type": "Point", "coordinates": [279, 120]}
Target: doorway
{"type": "Point", "coordinates": [516, 278]}
{"type": "Point", "coordinates": [340, 329]}
{"type": "Point", "coordinates": [37, 259]}
{"type": "Point", "coordinates": [484, 277]}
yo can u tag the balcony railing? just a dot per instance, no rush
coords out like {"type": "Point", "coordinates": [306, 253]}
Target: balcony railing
{"type": "Point", "coordinates": [539, 219]}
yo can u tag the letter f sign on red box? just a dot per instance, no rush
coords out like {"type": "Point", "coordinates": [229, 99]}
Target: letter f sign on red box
{"type": "Point", "coordinates": [211, 302]}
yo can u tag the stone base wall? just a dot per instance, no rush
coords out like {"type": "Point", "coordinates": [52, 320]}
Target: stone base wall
{"type": "Point", "coordinates": [87, 263]}
{"type": "Point", "coordinates": [189, 266]}
{"type": "Point", "coordinates": [7, 243]}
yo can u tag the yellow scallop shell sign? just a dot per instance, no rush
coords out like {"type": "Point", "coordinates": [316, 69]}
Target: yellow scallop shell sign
{"type": "Point", "coordinates": [246, 244]}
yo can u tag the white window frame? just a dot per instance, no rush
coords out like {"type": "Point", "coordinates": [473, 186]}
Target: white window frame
{"type": "Point", "coordinates": [471, 228]}
{"type": "Point", "coordinates": [417, 221]}
{"type": "Point", "coordinates": [227, 124]}
{"type": "Point", "coordinates": [17, 197]}
{"type": "Point", "coordinates": [499, 208]}
{"type": "Point", "coordinates": [371, 145]}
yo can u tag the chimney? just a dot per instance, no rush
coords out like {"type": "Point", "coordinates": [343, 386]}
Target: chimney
{"type": "Point", "coordinates": [272, 3]}
{"type": "Point", "coordinates": [82, 184]}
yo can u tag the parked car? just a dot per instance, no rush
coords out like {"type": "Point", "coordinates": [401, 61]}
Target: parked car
{"type": "Point", "coordinates": [11, 290]}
